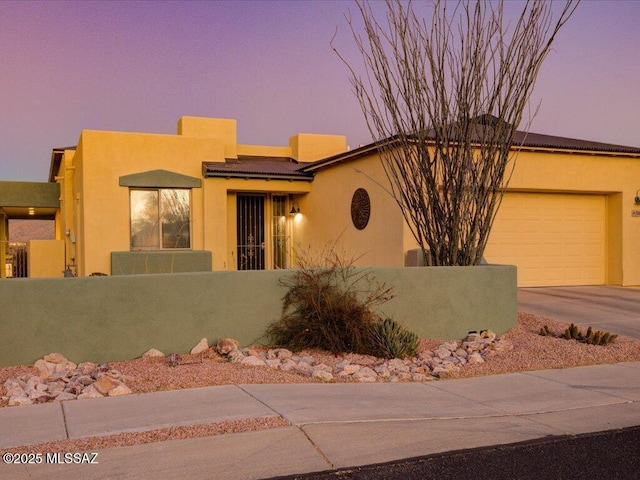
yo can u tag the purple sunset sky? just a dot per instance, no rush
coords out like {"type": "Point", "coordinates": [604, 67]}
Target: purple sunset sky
{"type": "Point", "coordinates": [139, 66]}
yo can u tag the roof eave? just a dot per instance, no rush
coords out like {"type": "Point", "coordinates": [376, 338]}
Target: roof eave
{"type": "Point", "coordinates": [258, 176]}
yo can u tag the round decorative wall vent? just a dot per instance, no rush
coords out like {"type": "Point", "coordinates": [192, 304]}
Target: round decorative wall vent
{"type": "Point", "coordinates": [360, 208]}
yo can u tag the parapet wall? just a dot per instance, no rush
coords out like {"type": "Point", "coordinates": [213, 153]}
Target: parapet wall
{"type": "Point", "coordinates": [103, 319]}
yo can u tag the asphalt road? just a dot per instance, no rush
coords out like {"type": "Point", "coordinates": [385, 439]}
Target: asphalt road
{"type": "Point", "coordinates": [609, 455]}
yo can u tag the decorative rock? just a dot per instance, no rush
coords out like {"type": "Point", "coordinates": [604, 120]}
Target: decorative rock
{"type": "Point", "coordinates": [304, 368]}
{"type": "Point", "coordinates": [90, 392]}
{"type": "Point", "coordinates": [273, 363]}
{"type": "Point", "coordinates": [488, 335]}
{"type": "Point", "coordinates": [474, 337]}
{"type": "Point", "coordinates": [461, 353]}
{"type": "Point", "coordinates": [283, 354]}
{"type": "Point", "coordinates": [226, 345]}
{"type": "Point", "coordinates": [475, 358]}
{"type": "Point", "coordinates": [252, 361]}
{"type": "Point", "coordinates": [440, 372]}
{"type": "Point", "coordinates": [287, 365]}
{"type": "Point", "coordinates": [397, 365]}
{"type": "Point", "coordinates": [235, 356]}
{"type": "Point", "coordinates": [18, 400]}
{"type": "Point", "coordinates": [55, 358]}
{"type": "Point", "coordinates": [152, 352]}
{"type": "Point", "coordinates": [121, 389]}
{"type": "Point", "coordinates": [365, 374]}
{"type": "Point", "coordinates": [13, 390]}
{"type": "Point", "coordinates": [306, 359]}
{"type": "Point", "coordinates": [279, 353]}
{"type": "Point", "coordinates": [322, 368]}
{"type": "Point", "coordinates": [202, 346]}
{"type": "Point", "coordinates": [105, 384]}
{"type": "Point", "coordinates": [350, 369]}
{"type": "Point", "coordinates": [85, 380]}
{"type": "Point", "coordinates": [62, 380]}
{"type": "Point", "coordinates": [451, 346]}
{"type": "Point", "coordinates": [402, 376]}
{"type": "Point", "coordinates": [382, 371]}
{"type": "Point", "coordinates": [42, 366]}
{"type": "Point", "coordinates": [87, 367]}
{"type": "Point", "coordinates": [443, 353]}
{"type": "Point", "coordinates": [418, 377]}
{"type": "Point", "coordinates": [323, 375]}
{"type": "Point", "coordinates": [473, 346]}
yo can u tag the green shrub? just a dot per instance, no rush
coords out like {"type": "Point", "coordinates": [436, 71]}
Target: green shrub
{"type": "Point", "coordinates": [390, 340]}
{"type": "Point", "coordinates": [329, 305]}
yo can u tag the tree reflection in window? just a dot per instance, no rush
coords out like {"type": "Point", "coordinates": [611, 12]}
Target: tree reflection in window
{"type": "Point", "coordinates": [160, 218]}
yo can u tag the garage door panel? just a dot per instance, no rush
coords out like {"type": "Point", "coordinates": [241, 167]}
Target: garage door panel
{"type": "Point", "coordinates": [554, 239]}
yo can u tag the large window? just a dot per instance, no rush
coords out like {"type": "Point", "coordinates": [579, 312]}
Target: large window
{"type": "Point", "coordinates": [160, 218]}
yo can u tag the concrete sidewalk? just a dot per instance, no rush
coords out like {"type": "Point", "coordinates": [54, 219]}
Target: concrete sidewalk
{"type": "Point", "coordinates": [334, 425]}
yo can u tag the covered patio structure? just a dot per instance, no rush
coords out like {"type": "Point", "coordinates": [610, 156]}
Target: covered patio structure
{"type": "Point", "coordinates": [31, 201]}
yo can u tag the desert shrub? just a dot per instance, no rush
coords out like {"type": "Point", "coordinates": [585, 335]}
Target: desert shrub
{"type": "Point", "coordinates": [329, 305]}
{"type": "Point", "coordinates": [389, 339]}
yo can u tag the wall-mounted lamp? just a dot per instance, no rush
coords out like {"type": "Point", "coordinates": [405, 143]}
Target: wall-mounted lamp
{"type": "Point", "coordinates": [637, 199]}
{"type": "Point", "coordinates": [32, 211]}
{"type": "Point", "coordinates": [295, 209]}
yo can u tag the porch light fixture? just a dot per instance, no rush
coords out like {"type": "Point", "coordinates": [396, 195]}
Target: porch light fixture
{"type": "Point", "coordinates": [637, 199]}
{"type": "Point", "coordinates": [32, 211]}
{"type": "Point", "coordinates": [295, 209]}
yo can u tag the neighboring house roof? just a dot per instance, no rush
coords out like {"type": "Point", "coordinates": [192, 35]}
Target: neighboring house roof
{"type": "Point", "coordinates": [248, 166]}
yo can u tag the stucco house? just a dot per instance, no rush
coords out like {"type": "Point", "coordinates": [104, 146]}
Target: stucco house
{"type": "Point", "coordinates": [127, 203]}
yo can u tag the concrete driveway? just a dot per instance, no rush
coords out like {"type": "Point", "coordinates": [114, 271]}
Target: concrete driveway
{"type": "Point", "coordinates": [607, 308]}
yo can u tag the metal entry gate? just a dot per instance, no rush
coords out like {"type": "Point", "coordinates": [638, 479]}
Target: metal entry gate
{"type": "Point", "coordinates": [250, 230]}
{"type": "Point", "coordinates": [15, 263]}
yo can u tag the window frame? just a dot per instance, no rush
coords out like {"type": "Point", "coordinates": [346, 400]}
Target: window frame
{"type": "Point", "coordinates": [159, 225]}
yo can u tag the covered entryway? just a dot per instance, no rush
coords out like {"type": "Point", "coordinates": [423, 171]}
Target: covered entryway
{"type": "Point", "coordinates": [553, 239]}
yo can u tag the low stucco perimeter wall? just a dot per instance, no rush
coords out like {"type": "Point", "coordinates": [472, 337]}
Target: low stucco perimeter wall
{"type": "Point", "coordinates": [104, 319]}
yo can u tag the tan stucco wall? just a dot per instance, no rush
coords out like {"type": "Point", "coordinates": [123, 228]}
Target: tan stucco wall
{"type": "Point", "coordinates": [617, 177]}
{"type": "Point", "coordinates": [326, 214]}
{"type": "Point", "coordinates": [90, 183]}
{"type": "Point", "coordinates": [45, 258]}
{"type": "Point", "coordinates": [95, 209]}
{"type": "Point", "coordinates": [103, 157]}
{"type": "Point", "coordinates": [308, 147]}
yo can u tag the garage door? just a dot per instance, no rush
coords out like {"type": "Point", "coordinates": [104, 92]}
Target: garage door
{"type": "Point", "coordinates": [554, 239]}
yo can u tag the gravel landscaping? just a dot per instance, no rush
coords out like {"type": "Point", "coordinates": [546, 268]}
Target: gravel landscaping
{"type": "Point", "coordinates": [530, 351]}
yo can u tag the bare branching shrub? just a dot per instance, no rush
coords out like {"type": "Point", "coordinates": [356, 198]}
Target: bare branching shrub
{"type": "Point", "coordinates": [443, 94]}
{"type": "Point", "coordinates": [329, 305]}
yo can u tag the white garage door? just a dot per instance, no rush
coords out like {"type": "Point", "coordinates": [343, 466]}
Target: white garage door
{"type": "Point", "coordinates": [554, 239]}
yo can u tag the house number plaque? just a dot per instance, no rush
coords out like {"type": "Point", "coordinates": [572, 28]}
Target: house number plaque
{"type": "Point", "coordinates": [360, 208]}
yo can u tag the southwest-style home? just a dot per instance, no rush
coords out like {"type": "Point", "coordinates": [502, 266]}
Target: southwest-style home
{"type": "Point", "coordinates": [131, 203]}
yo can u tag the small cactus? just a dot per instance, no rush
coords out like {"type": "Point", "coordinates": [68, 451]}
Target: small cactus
{"type": "Point", "coordinates": [574, 333]}
{"type": "Point", "coordinates": [390, 340]}
{"type": "Point", "coordinates": [546, 332]}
